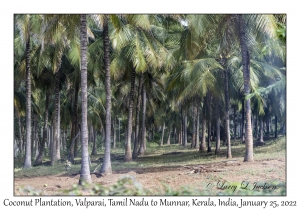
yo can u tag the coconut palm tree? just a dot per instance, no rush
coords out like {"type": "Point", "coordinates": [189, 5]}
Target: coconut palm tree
{"type": "Point", "coordinates": [85, 175]}
{"type": "Point", "coordinates": [27, 26]}
{"type": "Point", "coordinates": [106, 166]}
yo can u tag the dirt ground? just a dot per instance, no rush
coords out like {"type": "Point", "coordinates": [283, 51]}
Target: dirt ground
{"type": "Point", "coordinates": [215, 175]}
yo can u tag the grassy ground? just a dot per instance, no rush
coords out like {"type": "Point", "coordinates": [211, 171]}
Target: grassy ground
{"type": "Point", "coordinates": [158, 156]}
{"type": "Point", "coordinates": [164, 164]}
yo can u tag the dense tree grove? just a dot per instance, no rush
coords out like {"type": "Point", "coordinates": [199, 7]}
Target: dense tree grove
{"type": "Point", "coordinates": [83, 82]}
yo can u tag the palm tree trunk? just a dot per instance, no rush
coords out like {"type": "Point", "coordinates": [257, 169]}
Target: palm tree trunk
{"type": "Point", "coordinates": [193, 144]}
{"type": "Point", "coordinates": [27, 161]}
{"type": "Point", "coordinates": [180, 136]}
{"type": "Point", "coordinates": [162, 135]}
{"type": "Point", "coordinates": [119, 140]}
{"type": "Point", "coordinates": [197, 126]}
{"type": "Point", "coordinates": [50, 137]}
{"type": "Point", "coordinates": [55, 156]}
{"type": "Point", "coordinates": [209, 136]}
{"type": "Point", "coordinates": [106, 166]}
{"type": "Point", "coordinates": [234, 122]}
{"type": "Point", "coordinates": [218, 141]}
{"type": "Point", "coordinates": [268, 126]}
{"type": "Point", "coordinates": [137, 120]}
{"type": "Point", "coordinates": [203, 141]}
{"type": "Point", "coordinates": [37, 142]}
{"type": "Point", "coordinates": [142, 148]}
{"type": "Point", "coordinates": [20, 136]}
{"type": "Point", "coordinates": [169, 136]}
{"type": "Point", "coordinates": [39, 158]}
{"type": "Point", "coordinates": [103, 138]}
{"type": "Point", "coordinates": [174, 135]}
{"type": "Point", "coordinates": [185, 128]}
{"type": "Point", "coordinates": [33, 134]}
{"type": "Point", "coordinates": [58, 145]}
{"type": "Point", "coordinates": [115, 132]}
{"type": "Point", "coordinates": [275, 126]}
{"type": "Point", "coordinates": [261, 139]}
{"type": "Point", "coordinates": [74, 129]}
{"type": "Point", "coordinates": [243, 122]}
{"type": "Point", "coordinates": [256, 126]}
{"type": "Point", "coordinates": [85, 175]}
{"type": "Point", "coordinates": [246, 76]}
{"type": "Point", "coordinates": [128, 155]}
{"type": "Point", "coordinates": [208, 104]}
{"type": "Point", "coordinates": [182, 126]}
{"type": "Point", "coordinates": [227, 125]}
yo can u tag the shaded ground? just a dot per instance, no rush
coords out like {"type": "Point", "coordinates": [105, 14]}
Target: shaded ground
{"type": "Point", "coordinates": [154, 178]}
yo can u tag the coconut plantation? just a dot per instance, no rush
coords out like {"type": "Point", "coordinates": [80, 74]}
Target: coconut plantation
{"type": "Point", "coordinates": [149, 104]}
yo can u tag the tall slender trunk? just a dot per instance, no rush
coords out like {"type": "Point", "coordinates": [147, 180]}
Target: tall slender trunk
{"type": "Point", "coordinates": [169, 136]}
{"type": "Point", "coordinates": [106, 166]}
{"type": "Point", "coordinates": [27, 161]}
{"type": "Point", "coordinates": [261, 139]}
{"type": "Point", "coordinates": [268, 126]}
{"type": "Point", "coordinates": [243, 121]}
{"type": "Point", "coordinates": [193, 144]}
{"type": "Point", "coordinates": [234, 122]}
{"type": "Point", "coordinates": [103, 138]}
{"type": "Point", "coordinates": [142, 148]}
{"type": "Point", "coordinates": [180, 136]}
{"type": "Point", "coordinates": [137, 120]}
{"type": "Point", "coordinates": [185, 128]}
{"type": "Point", "coordinates": [256, 125]}
{"type": "Point", "coordinates": [197, 126]}
{"type": "Point", "coordinates": [181, 127]}
{"type": "Point", "coordinates": [33, 133]}
{"type": "Point", "coordinates": [58, 145]}
{"type": "Point", "coordinates": [227, 125]}
{"type": "Point", "coordinates": [174, 135]}
{"type": "Point", "coordinates": [252, 122]}
{"type": "Point", "coordinates": [218, 141]}
{"type": "Point", "coordinates": [246, 76]}
{"type": "Point", "coordinates": [162, 135]}
{"type": "Point", "coordinates": [20, 136]}
{"type": "Point", "coordinates": [119, 132]}
{"type": "Point", "coordinates": [209, 136]}
{"type": "Point", "coordinates": [39, 158]}
{"type": "Point", "coordinates": [115, 133]}
{"type": "Point", "coordinates": [55, 155]}
{"type": "Point", "coordinates": [85, 175]}
{"type": "Point", "coordinates": [74, 130]}
{"type": "Point", "coordinates": [37, 142]}
{"type": "Point", "coordinates": [24, 139]}
{"type": "Point", "coordinates": [50, 139]}
{"type": "Point", "coordinates": [128, 154]}
{"type": "Point", "coordinates": [275, 126]}
{"type": "Point", "coordinates": [203, 142]}
{"type": "Point", "coordinates": [208, 104]}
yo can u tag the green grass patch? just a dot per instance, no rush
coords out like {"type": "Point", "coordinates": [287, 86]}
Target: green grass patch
{"type": "Point", "coordinates": [156, 156]}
